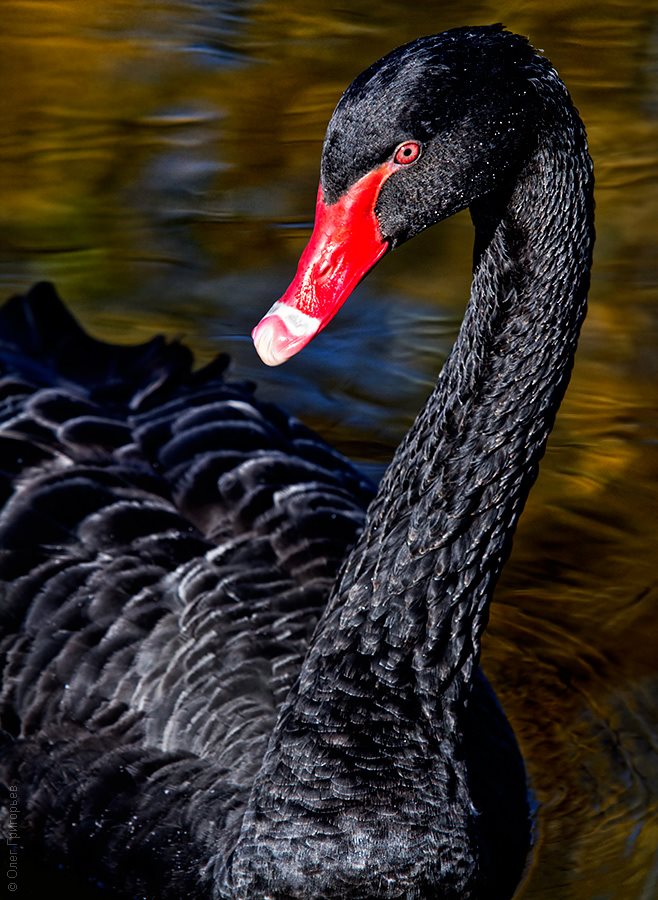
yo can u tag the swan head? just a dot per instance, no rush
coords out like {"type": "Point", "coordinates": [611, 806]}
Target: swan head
{"type": "Point", "coordinates": [422, 133]}
{"type": "Point", "coordinates": [419, 135]}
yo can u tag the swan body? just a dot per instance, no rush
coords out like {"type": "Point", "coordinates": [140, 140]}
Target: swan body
{"type": "Point", "coordinates": [231, 669]}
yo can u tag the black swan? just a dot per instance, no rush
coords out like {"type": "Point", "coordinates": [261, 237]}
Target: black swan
{"type": "Point", "coordinates": [198, 700]}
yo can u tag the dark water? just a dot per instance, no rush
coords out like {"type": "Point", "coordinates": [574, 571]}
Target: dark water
{"type": "Point", "coordinates": [159, 162]}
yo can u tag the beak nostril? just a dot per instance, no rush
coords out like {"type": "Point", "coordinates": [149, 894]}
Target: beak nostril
{"type": "Point", "coordinates": [323, 268]}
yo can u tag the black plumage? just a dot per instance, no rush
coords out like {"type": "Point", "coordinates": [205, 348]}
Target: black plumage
{"type": "Point", "coordinates": [174, 721]}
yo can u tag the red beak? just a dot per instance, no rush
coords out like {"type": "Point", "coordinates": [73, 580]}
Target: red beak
{"type": "Point", "coordinates": [345, 244]}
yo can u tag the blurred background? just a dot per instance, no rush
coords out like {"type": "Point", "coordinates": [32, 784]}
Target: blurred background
{"type": "Point", "coordinates": [159, 163]}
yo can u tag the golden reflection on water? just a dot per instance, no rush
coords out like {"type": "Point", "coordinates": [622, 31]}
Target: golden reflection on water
{"type": "Point", "coordinates": [159, 161]}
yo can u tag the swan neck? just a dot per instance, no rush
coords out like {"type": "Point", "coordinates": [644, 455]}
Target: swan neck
{"type": "Point", "coordinates": [440, 529]}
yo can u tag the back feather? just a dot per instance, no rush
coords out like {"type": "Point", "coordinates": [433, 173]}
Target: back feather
{"type": "Point", "coordinates": [167, 543]}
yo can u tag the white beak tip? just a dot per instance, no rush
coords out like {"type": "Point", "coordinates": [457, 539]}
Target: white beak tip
{"type": "Point", "coordinates": [282, 333]}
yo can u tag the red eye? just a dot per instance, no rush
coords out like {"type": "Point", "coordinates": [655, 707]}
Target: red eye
{"type": "Point", "coordinates": [407, 153]}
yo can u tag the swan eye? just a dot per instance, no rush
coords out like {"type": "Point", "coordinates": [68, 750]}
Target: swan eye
{"type": "Point", "coordinates": [407, 153]}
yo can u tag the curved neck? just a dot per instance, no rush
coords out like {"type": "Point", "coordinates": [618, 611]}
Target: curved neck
{"type": "Point", "coordinates": [381, 694]}
{"type": "Point", "coordinates": [414, 593]}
